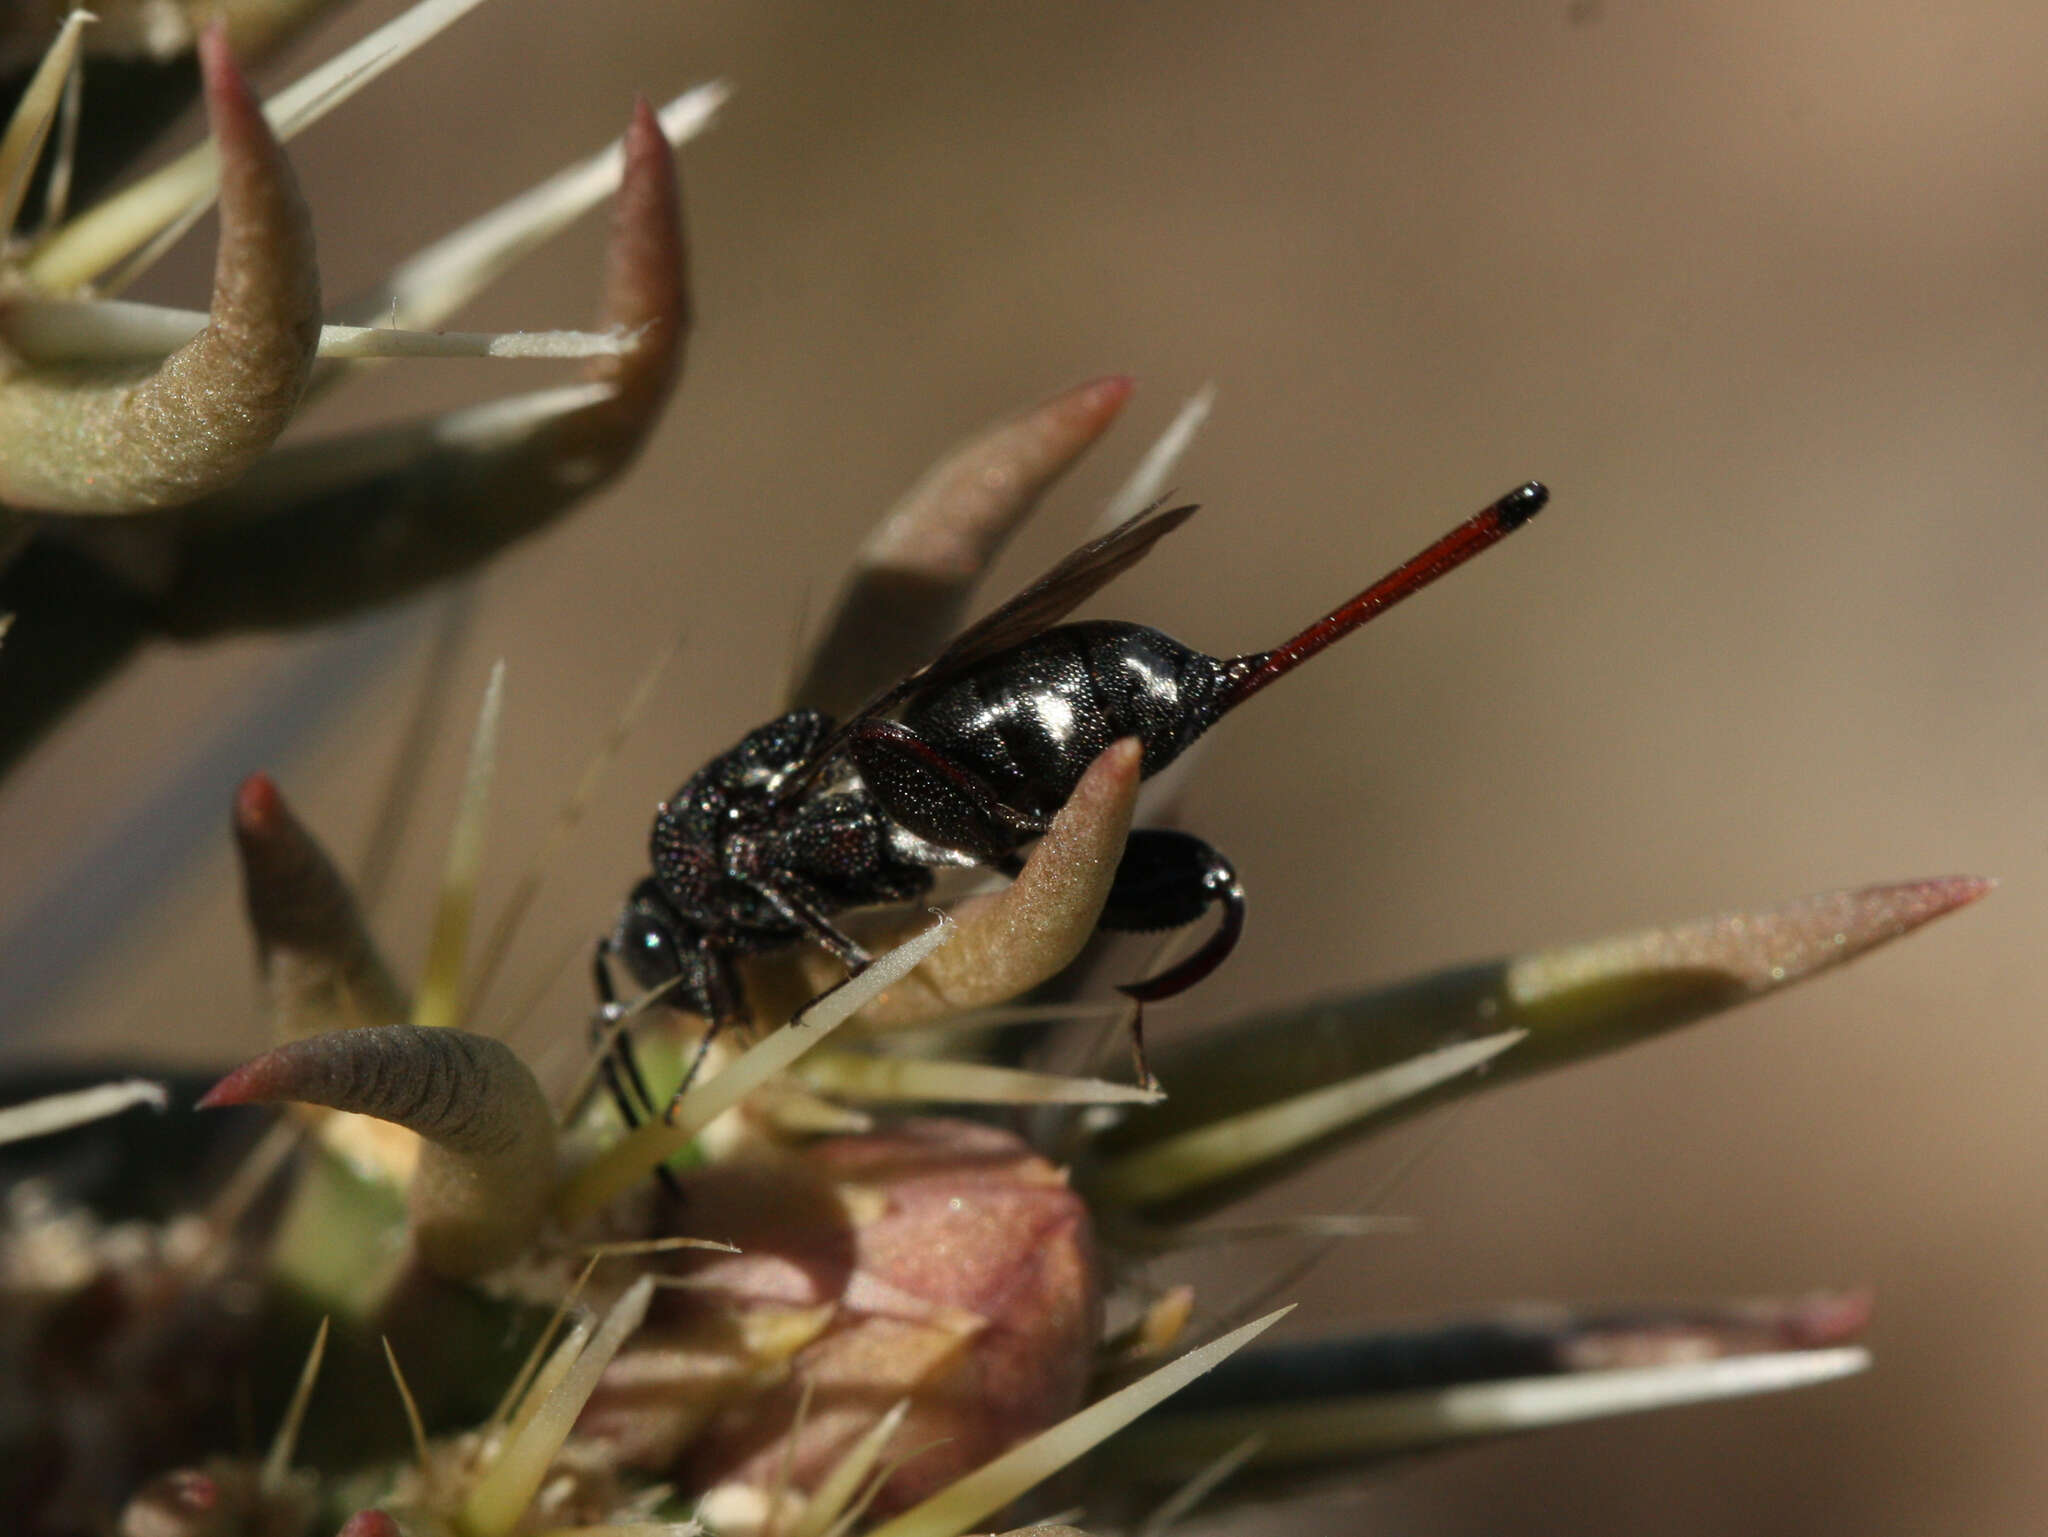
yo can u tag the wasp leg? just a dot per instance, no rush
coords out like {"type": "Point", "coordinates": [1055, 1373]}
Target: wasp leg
{"type": "Point", "coordinates": [623, 1079]}
{"type": "Point", "coordinates": [622, 1076]}
{"type": "Point", "coordinates": [1167, 879]}
{"type": "Point", "coordinates": [934, 797]}
{"type": "Point", "coordinates": [801, 904]}
{"type": "Point", "coordinates": [722, 1008]}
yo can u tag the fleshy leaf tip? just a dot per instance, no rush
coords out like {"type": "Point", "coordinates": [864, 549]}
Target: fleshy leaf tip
{"type": "Point", "coordinates": [1105, 396]}
{"type": "Point", "coordinates": [249, 1084]}
{"type": "Point", "coordinates": [225, 84]}
{"type": "Point", "coordinates": [1753, 952]}
{"type": "Point", "coordinates": [1827, 1319]}
{"type": "Point", "coordinates": [1944, 894]}
{"type": "Point", "coordinates": [1850, 922]}
{"type": "Point", "coordinates": [259, 806]}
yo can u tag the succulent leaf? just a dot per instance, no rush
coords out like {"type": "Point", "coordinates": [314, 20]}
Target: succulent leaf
{"type": "Point", "coordinates": [115, 408]}
{"type": "Point", "coordinates": [319, 963]}
{"type": "Point", "coordinates": [1575, 1001]}
{"type": "Point", "coordinates": [335, 526]}
{"type": "Point", "coordinates": [487, 1166]}
{"type": "Point", "coordinates": [111, 441]}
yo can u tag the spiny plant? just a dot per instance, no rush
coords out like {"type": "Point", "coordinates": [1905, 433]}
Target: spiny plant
{"type": "Point", "coordinates": [142, 493]}
{"type": "Point", "coordinates": [450, 1285]}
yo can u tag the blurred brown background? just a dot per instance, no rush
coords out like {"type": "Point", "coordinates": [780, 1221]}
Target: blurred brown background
{"type": "Point", "coordinates": [1758, 289]}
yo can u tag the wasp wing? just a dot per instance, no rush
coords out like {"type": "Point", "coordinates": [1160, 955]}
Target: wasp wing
{"type": "Point", "coordinates": [1047, 601]}
{"type": "Point", "coordinates": [1077, 578]}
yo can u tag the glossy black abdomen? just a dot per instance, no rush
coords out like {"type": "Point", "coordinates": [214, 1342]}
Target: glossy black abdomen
{"type": "Point", "coordinates": [1030, 720]}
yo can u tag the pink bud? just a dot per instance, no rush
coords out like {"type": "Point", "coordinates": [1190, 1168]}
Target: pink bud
{"type": "Point", "coordinates": [939, 1261]}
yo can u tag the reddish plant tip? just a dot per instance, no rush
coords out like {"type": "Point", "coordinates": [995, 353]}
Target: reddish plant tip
{"type": "Point", "coordinates": [1829, 1318]}
{"type": "Point", "coordinates": [234, 115]}
{"type": "Point", "coordinates": [369, 1523]}
{"type": "Point", "coordinates": [226, 86]}
{"type": "Point", "coordinates": [1947, 893]}
{"type": "Point", "coordinates": [253, 1083]}
{"type": "Point", "coordinates": [319, 963]}
{"type": "Point", "coordinates": [643, 128]}
{"type": "Point", "coordinates": [259, 807]}
{"type": "Point", "coordinates": [645, 282]}
{"type": "Point", "coordinates": [1098, 400]}
{"type": "Point", "coordinates": [1874, 914]}
{"type": "Point", "coordinates": [1662, 1336]}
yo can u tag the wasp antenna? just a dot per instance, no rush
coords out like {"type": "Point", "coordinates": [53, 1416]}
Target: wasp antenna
{"type": "Point", "coordinates": [1245, 675]}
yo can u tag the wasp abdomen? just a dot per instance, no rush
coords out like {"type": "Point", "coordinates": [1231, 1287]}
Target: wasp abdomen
{"type": "Point", "coordinates": [1029, 722]}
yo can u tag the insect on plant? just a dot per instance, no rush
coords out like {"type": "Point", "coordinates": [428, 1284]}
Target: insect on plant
{"type": "Point", "coordinates": [963, 763]}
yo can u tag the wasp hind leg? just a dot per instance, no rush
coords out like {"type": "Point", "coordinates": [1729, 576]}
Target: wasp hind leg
{"type": "Point", "coordinates": [1167, 879]}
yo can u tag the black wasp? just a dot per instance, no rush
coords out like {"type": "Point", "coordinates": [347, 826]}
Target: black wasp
{"type": "Point", "coordinates": [963, 763]}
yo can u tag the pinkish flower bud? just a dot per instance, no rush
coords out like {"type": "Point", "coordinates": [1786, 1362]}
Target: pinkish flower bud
{"type": "Point", "coordinates": [938, 1262]}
